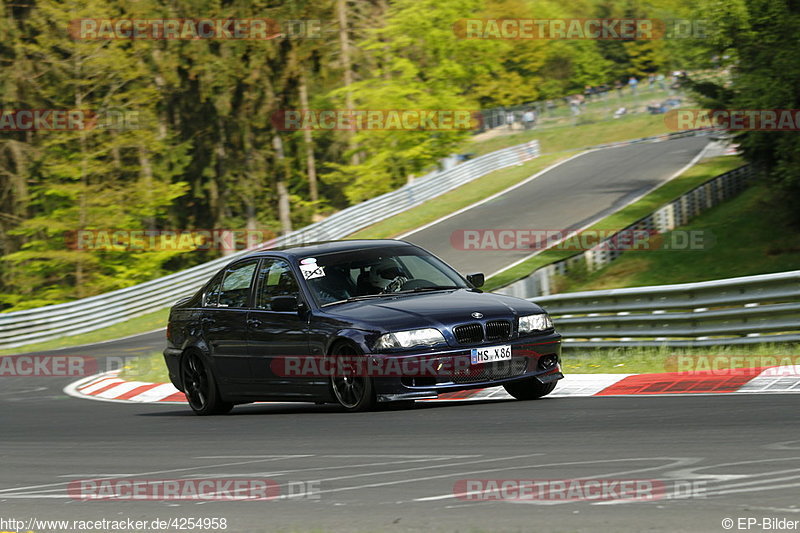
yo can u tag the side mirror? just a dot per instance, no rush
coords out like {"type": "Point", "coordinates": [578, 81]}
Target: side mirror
{"type": "Point", "coordinates": [476, 280]}
{"type": "Point", "coordinates": [285, 304]}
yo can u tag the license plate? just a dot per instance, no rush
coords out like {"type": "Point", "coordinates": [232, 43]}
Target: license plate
{"type": "Point", "coordinates": [490, 354]}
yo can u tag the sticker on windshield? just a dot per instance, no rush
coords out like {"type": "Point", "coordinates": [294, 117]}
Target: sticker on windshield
{"type": "Point", "coordinates": [310, 269]}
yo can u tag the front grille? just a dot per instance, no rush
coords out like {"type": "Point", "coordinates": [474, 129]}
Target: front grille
{"type": "Point", "coordinates": [492, 371]}
{"type": "Point", "coordinates": [468, 333]}
{"type": "Point", "coordinates": [498, 330]}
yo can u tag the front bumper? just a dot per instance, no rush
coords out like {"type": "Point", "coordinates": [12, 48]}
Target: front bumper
{"type": "Point", "coordinates": [527, 354]}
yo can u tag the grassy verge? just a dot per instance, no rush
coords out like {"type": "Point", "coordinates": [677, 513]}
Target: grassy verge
{"type": "Point", "coordinates": [665, 193]}
{"type": "Point", "coordinates": [140, 324]}
{"type": "Point", "coordinates": [656, 360]}
{"type": "Point", "coordinates": [150, 368]}
{"type": "Point", "coordinates": [454, 200]}
{"type": "Point", "coordinates": [572, 137]}
{"type": "Point", "coordinates": [741, 237]}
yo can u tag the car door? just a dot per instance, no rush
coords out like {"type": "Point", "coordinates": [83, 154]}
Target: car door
{"type": "Point", "coordinates": [224, 321]}
{"type": "Point", "coordinates": [275, 336]}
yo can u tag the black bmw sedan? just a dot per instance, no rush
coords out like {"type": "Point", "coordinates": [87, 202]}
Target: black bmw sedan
{"type": "Point", "coordinates": [354, 323]}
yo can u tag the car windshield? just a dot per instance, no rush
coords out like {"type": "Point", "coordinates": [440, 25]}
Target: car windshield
{"type": "Point", "coordinates": [376, 272]}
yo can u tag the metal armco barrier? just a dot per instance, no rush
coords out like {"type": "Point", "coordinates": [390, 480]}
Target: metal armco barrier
{"type": "Point", "coordinates": [19, 328]}
{"type": "Point", "coordinates": [667, 218]}
{"type": "Point", "coordinates": [745, 310]}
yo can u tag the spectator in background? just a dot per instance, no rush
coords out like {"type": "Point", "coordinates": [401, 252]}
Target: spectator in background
{"type": "Point", "coordinates": [510, 120]}
{"type": "Point", "coordinates": [660, 80]}
{"type": "Point", "coordinates": [651, 81]}
{"type": "Point", "coordinates": [618, 86]}
{"type": "Point", "coordinates": [575, 105]}
{"type": "Point", "coordinates": [633, 83]}
{"type": "Point", "coordinates": [588, 91]}
{"type": "Point", "coordinates": [529, 119]}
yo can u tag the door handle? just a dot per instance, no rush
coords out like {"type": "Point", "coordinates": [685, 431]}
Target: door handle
{"type": "Point", "coordinates": [254, 322]}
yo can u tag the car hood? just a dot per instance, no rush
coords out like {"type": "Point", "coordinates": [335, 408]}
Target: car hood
{"type": "Point", "coordinates": [438, 309]}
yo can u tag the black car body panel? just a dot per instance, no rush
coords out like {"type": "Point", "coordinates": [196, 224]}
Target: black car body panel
{"type": "Point", "coordinates": [242, 341]}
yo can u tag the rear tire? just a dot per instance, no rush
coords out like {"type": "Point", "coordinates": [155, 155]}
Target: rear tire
{"type": "Point", "coordinates": [353, 393]}
{"type": "Point", "coordinates": [200, 387]}
{"type": "Point", "coordinates": [529, 389]}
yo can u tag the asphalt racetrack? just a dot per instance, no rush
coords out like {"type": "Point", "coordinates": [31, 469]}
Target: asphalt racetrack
{"type": "Point", "coordinates": [732, 456]}
{"type": "Point", "coordinates": [397, 470]}
{"type": "Point", "coordinates": [570, 196]}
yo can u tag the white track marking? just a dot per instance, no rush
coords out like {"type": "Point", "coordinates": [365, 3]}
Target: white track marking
{"type": "Point", "coordinates": [101, 384]}
{"type": "Point", "coordinates": [492, 197]}
{"type": "Point", "coordinates": [686, 167]}
{"type": "Point", "coordinates": [775, 379]}
{"type": "Point", "coordinates": [451, 475]}
{"type": "Point", "coordinates": [4, 492]}
{"type": "Point", "coordinates": [164, 390]}
{"type": "Point", "coordinates": [122, 388]}
{"type": "Point", "coordinates": [399, 456]}
{"type": "Point", "coordinates": [678, 460]}
{"type": "Point", "coordinates": [586, 384]}
{"type": "Point", "coordinates": [338, 467]}
{"type": "Point", "coordinates": [756, 489]}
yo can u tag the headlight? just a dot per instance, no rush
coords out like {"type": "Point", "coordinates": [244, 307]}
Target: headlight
{"type": "Point", "coordinates": [407, 339]}
{"type": "Point", "coordinates": [531, 323]}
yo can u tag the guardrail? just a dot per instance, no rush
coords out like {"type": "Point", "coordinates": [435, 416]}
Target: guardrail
{"type": "Point", "coordinates": [19, 328]}
{"type": "Point", "coordinates": [667, 218]}
{"type": "Point", "coordinates": [744, 310]}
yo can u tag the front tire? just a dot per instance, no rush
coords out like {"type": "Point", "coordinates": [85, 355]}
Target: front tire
{"type": "Point", "coordinates": [529, 389]}
{"type": "Point", "coordinates": [353, 393]}
{"type": "Point", "coordinates": [200, 387]}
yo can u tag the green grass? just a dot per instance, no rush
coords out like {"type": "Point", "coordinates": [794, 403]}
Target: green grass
{"type": "Point", "coordinates": [742, 237]}
{"type": "Point", "coordinates": [667, 192]}
{"type": "Point", "coordinates": [140, 324]}
{"type": "Point", "coordinates": [150, 368]}
{"type": "Point", "coordinates": [632, 360]}
{"type": "Point", "coordinates": [594, 126]}
{"type": "Point", "coordinates": [574, 137]}
{"type": "Point", "coordinates": [454, 200]}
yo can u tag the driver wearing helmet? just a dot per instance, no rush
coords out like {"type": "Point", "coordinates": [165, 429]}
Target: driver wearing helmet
{"type": "Point", "coordinates": [387, 275]}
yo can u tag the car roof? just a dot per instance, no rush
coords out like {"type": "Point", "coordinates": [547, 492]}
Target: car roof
{"type": "Point", "coordinates": [324, 247]}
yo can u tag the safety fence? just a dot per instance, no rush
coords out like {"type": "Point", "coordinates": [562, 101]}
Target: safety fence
{"type": "Point", "coordinates": [744, 310]}
{"type": "Point", "coordinates": [677, 213]}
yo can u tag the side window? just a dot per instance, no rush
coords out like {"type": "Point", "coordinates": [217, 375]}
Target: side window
{"type": "Point", "coordinates": [235, 287]}
{"type": "Point", "coordinates": [211, 296]}
{"type": "Point", "coordinates": [275, 279]}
